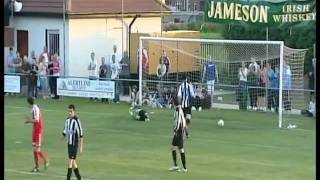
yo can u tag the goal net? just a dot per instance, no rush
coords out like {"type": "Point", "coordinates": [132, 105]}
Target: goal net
{"type": "Point", "coordinates": [236, 74]}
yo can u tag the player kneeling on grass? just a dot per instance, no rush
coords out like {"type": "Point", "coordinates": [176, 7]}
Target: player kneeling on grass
{"type": "Point", "coordinates": [37, 134]}
{"type": "Point", "coordinates": [139, 114]}
{"type": "Point", "coordinates": [73, 132]}
{"type": "Point", "coordinates": [177, 141]}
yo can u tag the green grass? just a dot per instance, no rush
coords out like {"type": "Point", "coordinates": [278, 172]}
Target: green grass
{"type": "Point", "coordinates": [298, 101]}
{"type": "Point", "coordinates": [250, 146]}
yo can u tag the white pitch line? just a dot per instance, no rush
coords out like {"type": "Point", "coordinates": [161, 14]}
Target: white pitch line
{"type": "Point", "coordinates": [14, 113]}
{"type": "Point", "coordinates": [55, 110]}
{"type": "Point", "coordinates": [39, 174]}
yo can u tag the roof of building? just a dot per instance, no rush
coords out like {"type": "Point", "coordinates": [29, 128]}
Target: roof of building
{"type": "Point", "coordinates": [42, 6]}
{"type": "Point", "coordinates": [89, 7]}
{"type": "Point", "coordinates": [115, 6]}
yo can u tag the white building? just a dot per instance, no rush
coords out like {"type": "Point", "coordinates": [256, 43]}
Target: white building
{"type": "Point", "coordinates": [94, 25]}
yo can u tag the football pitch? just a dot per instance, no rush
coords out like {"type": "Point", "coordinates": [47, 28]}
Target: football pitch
{"type": "Point", "coordinates": [248, 147]}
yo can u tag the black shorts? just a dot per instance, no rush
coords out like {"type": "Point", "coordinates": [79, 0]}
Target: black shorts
{"type": "Point", "coordinates": [72, 151]}
{"type": "Point", "coordinates": [186, 110]}
{"type": "Point", "coordinates": [142, 115]}
{"type": "Point", "coordinates": [177, 141]}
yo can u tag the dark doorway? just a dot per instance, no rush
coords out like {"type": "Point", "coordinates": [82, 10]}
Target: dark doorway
{"type": "Point", "coordinates": [22, 43]}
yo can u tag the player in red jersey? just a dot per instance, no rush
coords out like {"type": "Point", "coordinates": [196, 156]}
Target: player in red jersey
{"type": "Point", "coordinates": [37, 134]}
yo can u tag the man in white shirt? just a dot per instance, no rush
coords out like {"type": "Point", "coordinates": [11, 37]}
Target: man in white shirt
{"type": "Point", "coordinates": [115, 70]}
{"type": "Point", "coordinates": [254, 66]}
{"type": "Point", "coordinates": [116, 55]}
{"type": "Point", "coordinates": [10, 68]}
{"type": "Point", "coordinates": [243, 88]}
{"type": "Point", "coordinates": [92, 68]}
{"type": "Point", "coordinates": [161, 69]}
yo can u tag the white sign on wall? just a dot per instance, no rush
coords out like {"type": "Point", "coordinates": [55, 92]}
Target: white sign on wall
{"type": "Point", "coordinates": [82, 87]}
{"type": "Point", "coordinates": [12, 84]}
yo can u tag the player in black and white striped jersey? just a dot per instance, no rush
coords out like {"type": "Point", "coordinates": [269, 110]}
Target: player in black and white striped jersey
{"type": "Point", "coordinates": [178, 137]}
{"type": "Point", "coordinates": [185, 95]}
{"type": "Point", "coordinates": [73, 133]}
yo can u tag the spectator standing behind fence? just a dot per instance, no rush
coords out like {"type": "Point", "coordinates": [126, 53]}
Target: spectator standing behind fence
{"type": "Point", "coordinates": [33, 78]}
{"type": "Point", "coordinates": [166, 61]}
{"type": "Point", "coordinates": [253, 83]}
{"type": "Point", "coordinates": [270, 75]}
{"type": "Point", "coordinates": [198, 100]}
{"type": "Point", "coordinates": [25, 78]}
{"type": "Point", "coordinates": [243, 89]}
{"type": "Point", "coordinates": [43, 78]}
{"type": "Point", "coordinates": [50, 74]}
{"type": "Point", "coordinates": [55, 75]}
{"type": "Point", "coordinates": [210, 73]}
{"type": "Point", "coordinates": [115, 68]}
{"type": "Point", "coordinates": [92, 68]}
{"type": "Point", "coordinates": [18, 69]}
{"type": "Point", "coordinates": [124, 73]}
{"type": "Point", "coordinates": [161, 70]}
{"type": "Point", "coordinates": [45, 55]}
{"type": "Point", "coordinates": [10, 68]}
{"type": "Point", "coordinates": [103, 74]}
{"type": "Point", "coordinates": [9, 63]}
{"type": "Point", "coordinates": [32, 56]}
{"type": "Point", "coordinates": [286, 86]}
{"type": "Point", "coordinates": [275, 89]}
{"type": "Point", "coordinates": [115, 72]}
{"type": "Point", "coordinates": [115, 54]}
{"type": "Point", "coordinates": [311, 79]}
{"type": "Point", "coordinates": [263, 78]}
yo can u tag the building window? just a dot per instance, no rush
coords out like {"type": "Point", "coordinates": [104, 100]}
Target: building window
{"type": "Point", "coordinates": [202, 5]}
{"type": "Point", "coordinates": [52, 41]}
{"type": "Point", "coordinates": [178, 5]}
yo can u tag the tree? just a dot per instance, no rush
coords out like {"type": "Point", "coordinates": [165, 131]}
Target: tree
{"type": "Point", "coordinates": [300, 36]}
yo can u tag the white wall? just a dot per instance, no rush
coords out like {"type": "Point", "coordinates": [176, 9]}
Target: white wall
{"type": "Point", "coordinates": [99, 35]}
{"type": "Point", "coordinates": [36, 27]}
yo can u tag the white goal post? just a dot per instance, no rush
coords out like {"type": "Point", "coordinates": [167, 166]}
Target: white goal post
{"type": "Point", "coordinates": [279, 44]}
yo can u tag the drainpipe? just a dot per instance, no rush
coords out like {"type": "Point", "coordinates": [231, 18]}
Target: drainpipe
{"type": "Point", "coordinates": [130, 25]}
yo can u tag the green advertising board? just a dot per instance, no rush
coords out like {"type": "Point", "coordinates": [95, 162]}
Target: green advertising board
{"type": "Point", "coordinates": [261, 13]}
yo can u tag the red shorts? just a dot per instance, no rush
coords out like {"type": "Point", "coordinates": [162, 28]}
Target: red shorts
{"type": "Point", "coordinates": [36, 139]}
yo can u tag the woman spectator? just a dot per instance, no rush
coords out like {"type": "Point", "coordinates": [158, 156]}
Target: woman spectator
{"type": "Point", "coordinates": [253, 82]}
{"type": "Point", "coordinates": [43, 78]}
{"type": "Point", "coordinates": [262, 90]}
{"type": "Point", "coordinates": [243, 90]}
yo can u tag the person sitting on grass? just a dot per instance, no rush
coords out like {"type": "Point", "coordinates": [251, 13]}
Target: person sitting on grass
{"type": "Point", "coordinates": [139, 114]}
{"type": "Point", "coordinates": [311, 111]}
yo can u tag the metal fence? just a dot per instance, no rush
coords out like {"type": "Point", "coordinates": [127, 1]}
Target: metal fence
{"type": "Point", "coordinates": [162, 93]}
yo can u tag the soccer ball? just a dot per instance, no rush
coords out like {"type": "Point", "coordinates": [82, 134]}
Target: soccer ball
{"type": "Point", "coordinates": [221, 123]}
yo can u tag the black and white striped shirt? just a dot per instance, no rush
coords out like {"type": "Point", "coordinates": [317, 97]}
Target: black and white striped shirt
{"type": "Point", "coordinates": [72, 130]}
{"type": "Point", "coordinates": [179, 121]}
{"type": "Point", "coordinates": [185, 93]}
